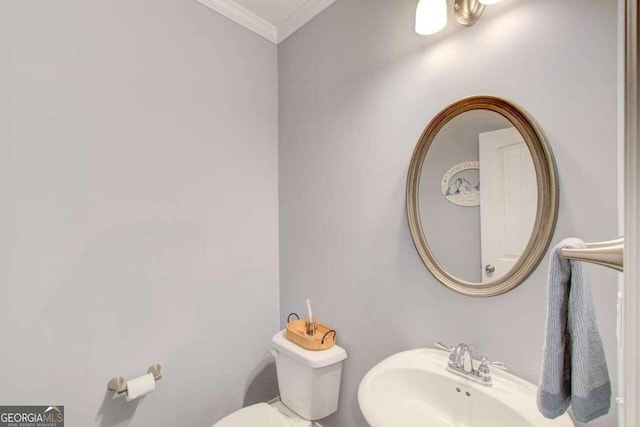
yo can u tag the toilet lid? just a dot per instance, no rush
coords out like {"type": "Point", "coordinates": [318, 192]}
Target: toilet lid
{"type": "Point", "coordinates": [261, 414]}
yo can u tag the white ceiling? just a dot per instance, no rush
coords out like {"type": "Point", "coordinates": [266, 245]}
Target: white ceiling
{"type": "Point", "coordinates": [274, 20]}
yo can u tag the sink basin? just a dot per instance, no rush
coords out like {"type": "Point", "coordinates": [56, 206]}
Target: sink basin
{"type": "Point", "coordinates": [414, 389]}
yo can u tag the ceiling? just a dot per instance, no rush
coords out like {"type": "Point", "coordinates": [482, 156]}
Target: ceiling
{"type": "Point", "coordinates": [274, 20]}
{"type": "Point", "coordinates": [274, 11]}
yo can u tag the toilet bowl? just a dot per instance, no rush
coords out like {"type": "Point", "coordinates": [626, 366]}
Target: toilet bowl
{"type": "Point", "coordinates": [309, 385]}
{"type": "Point", "coordinates": [263, 415]}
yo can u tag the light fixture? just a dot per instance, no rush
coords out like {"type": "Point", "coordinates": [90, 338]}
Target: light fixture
{"type": "Point", "coordinates": [431, 15]}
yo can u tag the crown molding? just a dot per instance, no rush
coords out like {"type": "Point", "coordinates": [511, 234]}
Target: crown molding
{"type": "Point", "coordinates": [244, 17]}
{"type": "Point", "coordinates": [300, 17]}
{"type": "Point", "coordinates": [264, 28]}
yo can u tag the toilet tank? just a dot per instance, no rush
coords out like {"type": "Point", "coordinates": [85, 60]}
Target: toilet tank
{"type": "Point", "coordinates": [309, 381]}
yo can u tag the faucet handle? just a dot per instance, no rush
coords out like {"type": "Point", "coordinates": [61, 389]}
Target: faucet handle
{"type": "Point", "coordinates": [444, 347]}
{"type": "Point", "coordinates": [485, 363]}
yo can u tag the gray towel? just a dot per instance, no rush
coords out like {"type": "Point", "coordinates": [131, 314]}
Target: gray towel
{"type": "Point", "coordinates": [574, 369]}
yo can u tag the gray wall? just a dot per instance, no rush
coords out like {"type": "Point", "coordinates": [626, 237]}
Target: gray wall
{"type": "Point", "coordinates": [138, 197]}
{"type": "Point", "coordinates": [357, 87]}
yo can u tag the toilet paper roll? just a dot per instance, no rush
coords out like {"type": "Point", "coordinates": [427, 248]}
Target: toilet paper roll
{"type": "Point", "coordinates": [140, 386]}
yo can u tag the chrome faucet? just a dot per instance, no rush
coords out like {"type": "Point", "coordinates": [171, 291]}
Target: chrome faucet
{"type": "Point", "coordinates": [461, 358]}
{"type": "Point", "coordinates": [461, 363]}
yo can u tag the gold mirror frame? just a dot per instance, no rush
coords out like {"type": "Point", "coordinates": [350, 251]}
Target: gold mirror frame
{"type": "Point", "coordinates": [547, 208]}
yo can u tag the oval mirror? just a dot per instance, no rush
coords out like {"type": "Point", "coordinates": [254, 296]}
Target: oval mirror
{"type": "Point", "coordinates": [482, 196]}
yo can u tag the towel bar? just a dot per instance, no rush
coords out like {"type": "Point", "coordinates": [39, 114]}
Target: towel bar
{"type": "Point", "coordinates": [609, 254]}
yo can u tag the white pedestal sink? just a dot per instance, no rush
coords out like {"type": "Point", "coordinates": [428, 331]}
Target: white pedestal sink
{"type": "Point", "coordinates": [414, 389]}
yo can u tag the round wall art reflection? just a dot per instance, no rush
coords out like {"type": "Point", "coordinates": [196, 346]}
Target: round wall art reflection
{"type": "Point", "coordinates": [461, 184]}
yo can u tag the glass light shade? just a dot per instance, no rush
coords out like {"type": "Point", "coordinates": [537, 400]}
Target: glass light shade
{"type": "Point", "coordinates": [431, 16]}
{"type": "Point", "coordinates": [490, 1]}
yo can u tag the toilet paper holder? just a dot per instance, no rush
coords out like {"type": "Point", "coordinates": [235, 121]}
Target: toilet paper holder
{"type": "Point", "coordinates": [118, 385]}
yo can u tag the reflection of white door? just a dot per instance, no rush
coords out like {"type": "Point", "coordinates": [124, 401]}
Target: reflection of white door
{"type": "Point", "coordinates": [508, 200]}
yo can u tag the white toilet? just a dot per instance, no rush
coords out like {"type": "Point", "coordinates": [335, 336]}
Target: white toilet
{"type": "Point", "coordinates": [309, 384]}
